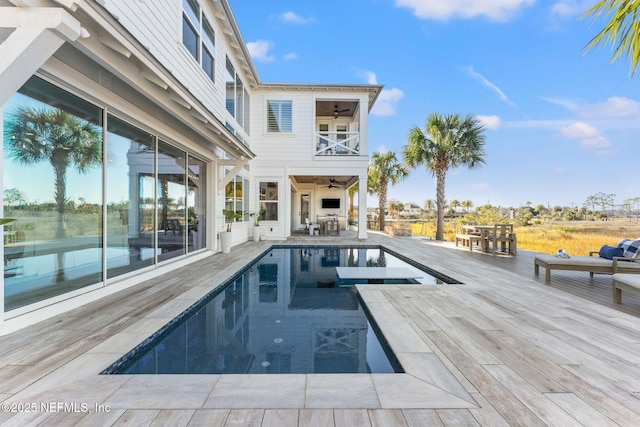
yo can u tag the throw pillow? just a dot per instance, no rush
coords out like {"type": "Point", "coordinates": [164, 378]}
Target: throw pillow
{"type": "Point", "coordinates": [609, 252]}
{"type": "Point", "coordinates": [629, 247]}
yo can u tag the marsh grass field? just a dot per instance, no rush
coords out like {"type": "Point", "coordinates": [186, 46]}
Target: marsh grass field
{"type": "Point", "coordinates": [575, 237]}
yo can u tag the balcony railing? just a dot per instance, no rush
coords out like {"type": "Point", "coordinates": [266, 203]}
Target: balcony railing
{"type": "Point", "coordinates": [337, 144]}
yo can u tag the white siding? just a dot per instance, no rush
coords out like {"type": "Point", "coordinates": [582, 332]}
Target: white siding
{"type": "Point", "coordinates": [158, 26]}
{"type": "Point", "coordinates": [295, 149]}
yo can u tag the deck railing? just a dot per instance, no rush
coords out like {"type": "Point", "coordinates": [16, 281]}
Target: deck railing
{"type": "Point", "coordinates": [337, 143]}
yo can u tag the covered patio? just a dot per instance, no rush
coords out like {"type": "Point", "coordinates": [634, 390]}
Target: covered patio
{"type": "Point", "coordinates": [504, 348]}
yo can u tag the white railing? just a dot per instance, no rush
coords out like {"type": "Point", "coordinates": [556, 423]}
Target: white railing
{"type": "Point", "coordinates": [337, 144]}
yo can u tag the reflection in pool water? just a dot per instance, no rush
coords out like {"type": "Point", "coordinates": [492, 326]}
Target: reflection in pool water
{"type": "Point", "coordinates": [286, 313]}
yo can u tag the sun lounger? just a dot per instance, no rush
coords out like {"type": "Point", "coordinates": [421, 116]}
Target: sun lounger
{"type": "Point", "coordinates": [592, 264]}
{"type": "Point", "coordinates": [626, 282]}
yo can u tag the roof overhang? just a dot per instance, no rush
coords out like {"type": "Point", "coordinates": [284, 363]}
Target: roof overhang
{"type": "Point", "coordinates": [112, 47]}
{"type": "Point", "coordinates": [372, 90]}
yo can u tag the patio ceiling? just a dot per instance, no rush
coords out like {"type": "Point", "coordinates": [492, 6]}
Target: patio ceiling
{"type": "Point", "coordinates": [344, 181]}
{"type": "Point", "coordinates": [336, 108]}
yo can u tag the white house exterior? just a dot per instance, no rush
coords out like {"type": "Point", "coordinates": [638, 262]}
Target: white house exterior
{"type": "Point", "coordinates": [128, 126]}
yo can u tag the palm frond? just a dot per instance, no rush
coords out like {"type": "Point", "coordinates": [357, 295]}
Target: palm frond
{"type": "Point", "coordinates": [622, 31]}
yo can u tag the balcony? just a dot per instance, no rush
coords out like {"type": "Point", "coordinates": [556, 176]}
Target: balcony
{"type": "Point", "coordinates": [340, 143]}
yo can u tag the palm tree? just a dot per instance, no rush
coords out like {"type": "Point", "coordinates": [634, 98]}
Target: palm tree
{"type": "Point", "coordinates": [622, 31]}
{"type": "Point", "coordinates": [49, 134]}
{"type": "Point", "coordinates": [397, 207]}
{"type": "Point", "coordinates": [466, 205]}
{"type": "Point", "coordinates": [384, 169]}
{"type": "Point", "coordinates": [447, 142]}
{"type": "Point", "coordinates": [352, 194]}
{"type": "Point", "coordinates": [455, 204]}
{"type": "Point", "coordinates": [429, 204]}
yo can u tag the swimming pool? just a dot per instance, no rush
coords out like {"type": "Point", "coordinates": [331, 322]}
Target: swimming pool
{"type": "Point", "coordinates": [286, 312]}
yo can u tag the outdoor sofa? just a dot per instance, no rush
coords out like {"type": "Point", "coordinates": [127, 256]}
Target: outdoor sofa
{"type": "Point", "coordinates": [629, 262]}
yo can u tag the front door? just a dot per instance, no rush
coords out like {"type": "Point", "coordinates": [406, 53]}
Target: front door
{"type": "Point", "coordinates": [304, 209]}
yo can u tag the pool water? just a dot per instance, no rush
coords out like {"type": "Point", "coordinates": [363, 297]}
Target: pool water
{"type": "Point", "coordinates": [287, 312]}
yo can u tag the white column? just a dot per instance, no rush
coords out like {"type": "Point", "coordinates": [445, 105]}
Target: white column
{"type": "Point", "coordinates": [364, 127]}
{"type": "Point", "coordinates": [362, 207]}
{"type": "Point", "coordinates": [38, 33]}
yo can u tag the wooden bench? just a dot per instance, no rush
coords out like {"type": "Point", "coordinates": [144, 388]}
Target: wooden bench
{"type": "Point", "coordinates": [627, 282]}
{"type": "Point", "coordinates": [467, 240]}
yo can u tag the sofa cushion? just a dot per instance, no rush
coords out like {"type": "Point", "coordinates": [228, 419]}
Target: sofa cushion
{"type": "Point", "coordinates": [609, 252]}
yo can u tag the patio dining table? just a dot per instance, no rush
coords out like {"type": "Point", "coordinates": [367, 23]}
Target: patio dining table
{"type": "Point", "coordinates": [485, 233]}
{"type": "Point", "coordinates": [501, 235]}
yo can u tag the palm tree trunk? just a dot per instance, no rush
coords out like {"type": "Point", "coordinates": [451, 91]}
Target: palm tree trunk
{"type": "Point", "coordinates": [164, 213]}
{"type": "Point", "coordinates": [440, 180]}
{"type": "Point", "coordinates": [60, 189]}
{"type": "Point", "coordinates": [59, 195]}
{"type": "Point", "coordinates": [382, 202]}
{"type": "Point", "coordinates": [382, 259]}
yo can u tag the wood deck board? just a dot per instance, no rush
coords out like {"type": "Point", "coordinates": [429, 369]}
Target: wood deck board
{"type": "Point", "coordinates": [530, 353]}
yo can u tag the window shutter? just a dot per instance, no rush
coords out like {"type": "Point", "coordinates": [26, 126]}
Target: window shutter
{"type": "Point", "coordinates": [279, 116]}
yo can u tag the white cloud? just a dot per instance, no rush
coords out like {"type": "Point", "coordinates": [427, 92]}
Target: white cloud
{"type": "Point", "coordinates": [294, 18]}
{"type": "Point", "coordinates": [614, 107]}
{"type": "Point", "coordinates": [590, 137]}
{"type": "Point", "coordinates": [490, 85]}
{"type": "Point", "coordinates": [259, 50]}
{"type": "Point", "coordinates": [553, 125]}
{"type": "Point", "coordinates": [290, 56]}
{"type": "Point", "coordinates": [571, 8]}
{"type": "Point", "coordinates": [490, 122]}
{"type": "Point", "coordinates": [370, 77]}
{"type": "Point", "coordinates": [579, 130]}
{"type": "Point", "coordinates": [566, 103]}
{"type": "Point", "coordinates": [387, 102]}
{"type": "Point", "coordinates": [497, 10]}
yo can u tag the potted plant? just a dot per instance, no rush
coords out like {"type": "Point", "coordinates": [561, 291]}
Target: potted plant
{"type": "Point", "coordinates": [256, 224]}
{"type": "Point", "coordinates": [353, 225]}
{"type": "Point", "coordinates": [230, 217]}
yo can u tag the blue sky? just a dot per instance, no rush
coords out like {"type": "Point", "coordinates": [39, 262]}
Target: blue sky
{"type": "Point", "coordinates": [561, 124]}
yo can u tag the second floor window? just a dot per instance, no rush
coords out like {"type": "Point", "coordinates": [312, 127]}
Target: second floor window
{"type": "Point", "coordinates": [198, 36]}
{"type": "Point", "coordinates": [237, 98]}
{"type": "Point", "coordinates": [279, 116]}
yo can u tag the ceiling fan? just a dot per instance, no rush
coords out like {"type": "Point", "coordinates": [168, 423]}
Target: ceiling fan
{"type": "Point", "coordinates": [335, 184]}
{"type": "Point", "coordinates": [337, 112]}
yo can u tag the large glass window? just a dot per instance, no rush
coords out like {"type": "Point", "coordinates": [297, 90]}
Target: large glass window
{"type": "Point", "coordinates": [269, 201]}
{"type": "Point", "coordinates": [208, 49]}
{"type": "Point", "coordinates": [279, 116]}
{"type": "Point", "coordinates": [130, 190]}
{"type": "Point", "coordinates": [237, 98]}
{"type": "Point", "coordinates": [52, 171]}
{"type": "Point", "coordinates": [172, 209]}
{"type": "Point", "coordinates": [236, 197]}
{"type": "Point", "coordinates": [196, 204]}
{"type": "Point", "coordinates": [230, 81]}
{"type": "Point", "coordinates": [53, 188]}
{"type": "Point", "coordinates": [247, 108]}
{"type": "Point", "coordinates": [198, 36]}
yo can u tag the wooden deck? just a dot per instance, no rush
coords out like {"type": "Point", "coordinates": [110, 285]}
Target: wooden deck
{"type": "Point", "coordinates": [503, 349]}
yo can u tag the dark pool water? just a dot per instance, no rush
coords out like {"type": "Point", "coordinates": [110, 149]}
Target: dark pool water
{"type": "Point", "coordinates": [287, 312]}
